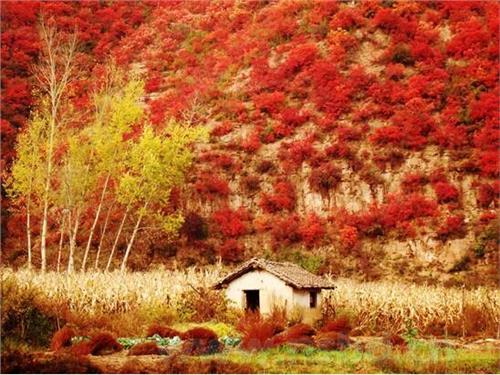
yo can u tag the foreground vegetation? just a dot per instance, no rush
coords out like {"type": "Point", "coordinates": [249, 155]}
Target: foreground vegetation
{"type": "Point", "coordinates": [127, 303]}
{"type": "Point", "coordinates": [421, 357]}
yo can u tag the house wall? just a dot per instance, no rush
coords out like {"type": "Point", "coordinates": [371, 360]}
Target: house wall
{"type": "Point", "coordinates": [273, 291]}
{"type": "Point", "coordinates": [301, 299]}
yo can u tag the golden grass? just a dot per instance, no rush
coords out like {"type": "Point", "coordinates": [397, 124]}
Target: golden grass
{"type": "Point", "coordinates": [374, 307]}
{"type": "Point", "coordinates": [393, 306]}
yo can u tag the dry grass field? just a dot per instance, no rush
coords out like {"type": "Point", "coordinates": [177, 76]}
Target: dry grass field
{"type": "Point", "coordinates": [444, 329]}
{"type": "Point", "coordinates": [373, 307]}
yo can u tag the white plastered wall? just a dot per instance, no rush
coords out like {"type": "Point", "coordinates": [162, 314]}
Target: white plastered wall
{"type": "Point", "coordinates": [273, 291]}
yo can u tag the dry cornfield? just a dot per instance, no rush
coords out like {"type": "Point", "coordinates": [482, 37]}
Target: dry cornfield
{"type": "Point", "coordinates": [373, 307]}
{"type": "Point", "coordinates": [397, 307]}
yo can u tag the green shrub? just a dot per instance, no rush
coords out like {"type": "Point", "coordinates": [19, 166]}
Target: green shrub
{"type": "Point", "coordinates": [23, 318]}
{"type": "Point", "coordinates": [205, 304]}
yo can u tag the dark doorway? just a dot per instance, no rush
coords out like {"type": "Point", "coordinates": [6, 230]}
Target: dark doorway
{"type": "Point", "coordinates": [252, 299]}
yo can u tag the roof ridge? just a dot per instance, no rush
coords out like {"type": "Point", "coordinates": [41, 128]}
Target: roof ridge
{"type": "Point", "coordinates": [291, 273]}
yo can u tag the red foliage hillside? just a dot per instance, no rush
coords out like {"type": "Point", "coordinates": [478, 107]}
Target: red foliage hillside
{"type": "Point", "coordinates": [316, 107]}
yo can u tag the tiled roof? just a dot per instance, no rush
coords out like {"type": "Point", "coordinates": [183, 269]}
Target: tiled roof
{"type": "Point", "coordinates": [290, 273]}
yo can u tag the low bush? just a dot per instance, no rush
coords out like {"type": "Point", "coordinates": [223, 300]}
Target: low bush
{"type": "Point", "coordinates": [340, 325]}
{"type": "Point", "coordinates": [298, 334]}
{"type": "Point", "coordinates": [163, 331]}
{"type": "Point", "coordinates": [201, 346]}
{"type": "Point", "coordinates": [325, 178]}
{"type": "Point", "coordinates": [199, 333]}
{"type": "Point", "coordinates": [231, 251]}
{"type": "Point", "coordinates": [203, 304]}
{"type": "Point", "coordinates": [101, 343]}
{"type": "Point", "coordinates": [146, 348]}
{"type": "Point", "coordinates": [282, 198]}
{"type": "Point", "coordinates": [24, 315]}
{"type": "Point", "coordinates": [256, 330]}
{"type": "Point", "coordinates": [62, 338]}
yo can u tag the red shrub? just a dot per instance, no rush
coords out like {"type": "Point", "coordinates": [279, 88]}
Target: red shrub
{"type": "Point", "coordinates": [347, 18]}
{"type": "Point", "coordinates": [489, 163]}
{"type": "Point", "coordinates": [231, 251]}
{"type": "Point", "coordinates": [398, 209]}
{"type": "Point", "coordinates": [212, 186]}
{"type": "Point", "coordinates": [340, 325]}
{"type": "Point", "coordinates": [199, 333]}
{"type": "Point", "coordinates": [488, 194]}
{"type": "Point", "coordinates": [486, 217]}
{"type": "Point", "coordinates": [163, 331]}
{"type": "Point", "coordinates": [395, 71]}
{"type": "Point", "coordinates": [331, 92]}
{"type": "Point", "coordinates": [348, 236]}
{"type": "Point", "coordinates": [269, 102]}
{"type": "Point", "coordinates": [104, 342]}
{"type": "Point", "coordinates": [413, 182]}
{"type": "Point", "coordinates": [145, 348]}
{"type": "Point", "coordinates": [339, 150]}
{"type": "Point", "coordinates": [445, 192]}
{"type": "Point", "coordinates": [285, 231]}
{"type": "Point", "coordinates": [230, 223]}
{"type": "Point", "coordinates": [265, 166]}
{"type": "Point", "coordinates": [250, 184]}
{"type": "Point", "coordinates": [222, 129]}
{"type": "Point", "coordinates": [194, 227]}
{"type": "Point", "coordinates": [81, 348]}
{"type": "Point", "coordinates": [387, 135]}
{"type": "Point", "coordinates": [292, 117]}
{"type": "Point", "coordinates": [450, 136]}
{"type": "Point", "coordinates": [312, 230]}
{"type": "Point", "coordinates": [348, 134]}
{"type": "Point", "coordinates": [325, 178]}
{"type": "Point", "coordinates": [201, 346]}
{"type": "Point", "coordinates": [488, 137]}
{"type": "Point", "coordinates": [251, 143]}
{"type": "Point", "coordinates": [293, 154]}
{"type": "Point", "coordinates": [299, 334]}
{"type": "Point", "coordinates": [256, 331]}
{"type": "Point", "coordinates": [62, 338]}
{"type": "Point", "coordinates": [283, 198]}
{"type": "Point", "coordinates": [454, 225]}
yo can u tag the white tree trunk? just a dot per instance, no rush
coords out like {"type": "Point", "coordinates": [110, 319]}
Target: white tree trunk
{"type": "Point", "coordinates": [28, 230]}
{"type": "Point", "coordinates": [132, 238]}
{"type": "Point", "coordinates": [96, 219]}
{"type": "Point", "coordinates": [103, 233]}
{"type": "Point", "coordinates": [108, 265]}
{"type": "Point", "coordinates": [72, 243]}
{"type": "Point", "coordinates": [61, 239]}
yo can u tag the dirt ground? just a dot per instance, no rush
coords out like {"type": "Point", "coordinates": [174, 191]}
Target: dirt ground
{"type": "Point", "coordinates": [121, 362]}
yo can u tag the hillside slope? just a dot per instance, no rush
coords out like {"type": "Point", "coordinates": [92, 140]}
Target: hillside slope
{"type": "Point", "coordinates": [359, 138]}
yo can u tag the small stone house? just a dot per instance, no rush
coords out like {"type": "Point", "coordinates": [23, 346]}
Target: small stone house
{"type": "Point", "coordinates": [260, 284]}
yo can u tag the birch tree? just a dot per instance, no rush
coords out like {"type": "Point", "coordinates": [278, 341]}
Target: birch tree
{"type": "Point", "coordinates": [116, 111]}
{"type": "Point", "coordinates": [52, 75]}
{"type": "Point", "coordinates": [77, 181]}
{"type": "Point", "coordinates": [26, 177]}
{"type": "Point", "coordinates": [157, 164]}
